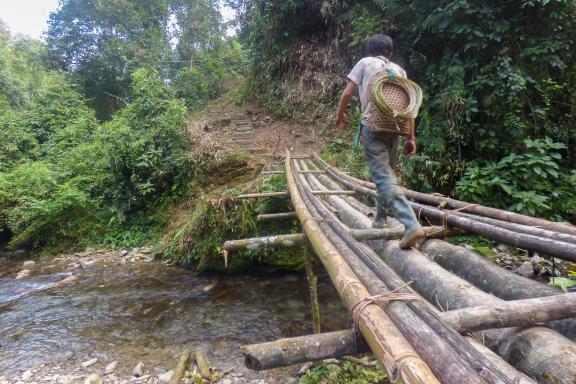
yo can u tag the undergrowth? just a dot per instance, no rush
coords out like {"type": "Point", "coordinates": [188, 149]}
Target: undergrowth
{"type": "Point", "coordinates": [344, 373]}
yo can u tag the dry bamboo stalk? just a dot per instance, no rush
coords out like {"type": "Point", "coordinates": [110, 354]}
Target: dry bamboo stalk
{"type": "Point", "coordinates": [313, 287]}
{"type": "Point", "coordinates": [278, 241]}
{"type": "Point", "coordinates": [181, 367]}
{"type": "Point", "coordinates": [327, 193]}
{"type": "Point", "coordinates": [262, 195]}
{"type": "Point", "coordinates": [203, 366]}
{"type": "Point", "coordinates": [277, 216]}
{"type": "Point", "coordinates": [387, 343]}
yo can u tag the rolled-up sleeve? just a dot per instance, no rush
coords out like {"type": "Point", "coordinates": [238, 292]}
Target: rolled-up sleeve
{"type": "Point", "coordinates": [357, 73]}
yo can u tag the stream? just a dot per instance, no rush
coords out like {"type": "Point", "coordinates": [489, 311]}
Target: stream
{"type": "Point", "coordinates": [131, 312]}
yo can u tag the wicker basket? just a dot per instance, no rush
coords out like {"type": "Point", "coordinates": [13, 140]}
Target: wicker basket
{"type": "Point", "coordinates": [396, 95]}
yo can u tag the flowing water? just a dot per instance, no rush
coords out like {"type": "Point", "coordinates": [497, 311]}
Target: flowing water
{"type": "Point", "coordinates": [147, 312]}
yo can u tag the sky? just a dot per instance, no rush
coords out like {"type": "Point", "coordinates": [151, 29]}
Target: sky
{"type": "Point", "coordinates": [27, 17]}
{"type": "Point", "coordinates": [30, 17]}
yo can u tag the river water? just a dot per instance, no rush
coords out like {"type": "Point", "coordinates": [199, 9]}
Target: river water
{"type": "Point", "coordinates": [146, 312]}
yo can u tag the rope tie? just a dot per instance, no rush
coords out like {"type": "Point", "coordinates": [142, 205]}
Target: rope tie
{"type": "Point", "coordinates": [451, 212]}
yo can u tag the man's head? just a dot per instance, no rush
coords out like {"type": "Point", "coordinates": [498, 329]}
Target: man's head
{"type": "Point", "coordinates": [380, 45]}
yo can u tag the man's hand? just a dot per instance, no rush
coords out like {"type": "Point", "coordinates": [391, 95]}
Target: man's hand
{"type": "Point", "coordinates": [409, 147]}
{"type": "Point", "coordinates": [341, 120]}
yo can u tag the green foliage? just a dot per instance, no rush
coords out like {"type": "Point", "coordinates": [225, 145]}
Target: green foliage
{"type": "Point", "coordinates": [344, 373]}
{"type": "Point", "coordinates": [564, 283]}
{"type": "Point", "coordinates": [522, 183]}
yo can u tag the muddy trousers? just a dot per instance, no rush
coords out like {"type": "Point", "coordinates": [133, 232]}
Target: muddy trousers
{"type": "Point", "coordinates": [381, 151]}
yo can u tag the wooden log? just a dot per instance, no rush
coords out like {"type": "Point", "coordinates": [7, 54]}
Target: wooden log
{"type": "Point", "coordinates": [277, 216]}
{"type": "Point", "coordinates": [181, 367]}
{"type": "Point", "coordinates": [396, 233]}
{"type": "Point", "coordinates": [384, 339]}
{"type": "Point", "coordinates": [538, 359]}
{"type": "Point", "coordinates": [543, 245]}
{"type": "Point", "coordinates": [278, 241]}
{"type": "Point", "coordinates": [493, 279]}
{"type": "Point", "coordinates": [516, 313]}
{"type": "Point", "coordinates": [265, 195]}
{"type": "Point", "coordinates": [465, 206]}
{"type": "Point", "coordinates": [448, 354]}
{"type": "Point", "coordinates": [203, 366]}
{"type": "Point", "coordinates": [285, 352]}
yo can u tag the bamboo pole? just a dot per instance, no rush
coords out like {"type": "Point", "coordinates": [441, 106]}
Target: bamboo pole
{"type": "Point", "coordinates": [480, 210]}
{"type": "Point", "coordinates": [313, 287]}
{"type": "Point", "coordinates": [516, 313]}
{"type": "Point", "coordinates": [395, 233]}
{"type": "Point", "coordinates": [328, 193]}
{"type": "Point", "coordinates": [277, 216]}
{"type": "Point", "coordinates": [203, 366]}
{"type": "Point", "coordinates": [452, 359]}
{"type": "Point", "coordinates": [527, 348]}
{"type": "Point", "coordinates": [181, 367]}
{"type": "Point", "coordinates": [543, 245]}
{"type": "Point", "coordinates": [262, 195]}
{"type": "Point", "coordinates": [253, 244]}
{"type": "Point", "coordinates": [384, 339]}
{"type": "Point", "coordinates": [272, 172]}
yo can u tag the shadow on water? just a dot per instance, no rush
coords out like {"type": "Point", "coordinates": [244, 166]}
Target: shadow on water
{"type": "Point", "coordinates": [150, 312]}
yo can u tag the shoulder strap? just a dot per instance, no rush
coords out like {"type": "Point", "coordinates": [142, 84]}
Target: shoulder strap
{"type": "Point", "coordinates": [387, 67]}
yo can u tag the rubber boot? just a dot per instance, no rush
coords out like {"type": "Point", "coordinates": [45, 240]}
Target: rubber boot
{"type": "Point", "coordinates": [413, 232]}
{"type": "Point", "coordinates": [381, 218]}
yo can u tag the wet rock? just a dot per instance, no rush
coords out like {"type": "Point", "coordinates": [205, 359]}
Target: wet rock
{"type": "Point", "coordinates": [166, 377]}
{"type": "Point", "coordinates": [526, 269]}
{"type": "Point", "coordinates": [123, 252]}
{"type": "Point", "coordinates": [23, 274]}
{"type": "Point", "coordinates": [94, 379]}
{"type": "Point", "coordinates": [27, 375]}
{"type": "Point", "coordinates": [89, 363]}
{"type": "Point", "coordinates": [19, 254]}
{"type": "Point", "coordinates": [502, 248]}
{"type": "Point", "coordinates": [138, 369]}
{"type": "Point", "coordinates": [226, 381]}
{"type": "Point", "coordinates": [28, 264]}
{"type": "Point", "coordinates": [466, 246]}
{"type": "Point", "coordinates": [111, 367]}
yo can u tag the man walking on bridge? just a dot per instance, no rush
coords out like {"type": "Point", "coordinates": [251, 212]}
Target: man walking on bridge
{"type": "Point", "coordinates": [381, 148]}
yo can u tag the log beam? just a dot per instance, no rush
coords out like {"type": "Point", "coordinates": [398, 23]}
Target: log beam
{"type": "Point", "coordinates": [253, 244]}
{"type": "Point", "coordinates": [265, 195]}
{"type": "Point", "coordinates": [395, 233]}
{"type": "Point", "coordinates": [277, 216]}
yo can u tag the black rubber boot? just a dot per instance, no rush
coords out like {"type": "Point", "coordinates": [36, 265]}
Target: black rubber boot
{"type": "Point", "coordinates": [413, 232]}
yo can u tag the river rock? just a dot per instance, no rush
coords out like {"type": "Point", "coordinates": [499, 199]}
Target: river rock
{"type": "Point", "coordinates": [111, 367]}
{"type": "Point", "coordinates": [23, 274]}
{"type": "Point", "coordinates": [226, 381]}
{"type": "Point", "coordinates": [18, 253]}
{"type": "Point", "coordinates": [27, 375]}
{"type": "Point", "coordinates": [502, 248]}
{"type": "Point", "coordinates": [89, 363]}
{"type": "Point", "coordinates": [138, 369]}
{"type": "Point", "coordinates": [28, 263]}
{"type": "Point", "coordinates": [94, 379]}
{"type": "Point", "coordinates": [166, 377]}
{"type": "Point", "coordinates": [526, 269]}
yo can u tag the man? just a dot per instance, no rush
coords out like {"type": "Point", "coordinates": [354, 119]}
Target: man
{"type": "Point", "coordinates": [381, 148]}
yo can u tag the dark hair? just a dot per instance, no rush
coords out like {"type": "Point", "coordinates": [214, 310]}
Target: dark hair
{"type": "Point", "coordinates": [380, 45]}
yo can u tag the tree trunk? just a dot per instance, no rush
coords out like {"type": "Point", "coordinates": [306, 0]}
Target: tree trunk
{"type": "Point", "coordinates": [491, 278]}
{"type": "Point", "coordinates": [277, 216]}
{"type": "Point", "coordinates": [181, 367]}
{"type": "Point", "coordinates": [395, 233]}
{"type": "Point", "coordinates": [203, 366]}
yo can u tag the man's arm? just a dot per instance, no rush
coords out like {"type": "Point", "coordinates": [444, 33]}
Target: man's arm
{"type": "Point", "coordinates": [342, 115]}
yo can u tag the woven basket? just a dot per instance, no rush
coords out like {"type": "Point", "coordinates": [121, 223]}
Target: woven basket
{"type": "Point", "coordinates": [396, 94]}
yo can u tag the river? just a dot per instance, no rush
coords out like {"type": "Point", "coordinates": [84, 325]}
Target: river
{"type": "Point", "coordinates": [130, 312]}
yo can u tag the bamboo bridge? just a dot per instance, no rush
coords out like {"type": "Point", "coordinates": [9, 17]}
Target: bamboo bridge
{"type": "Point", "coordinates": [437, 314]}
